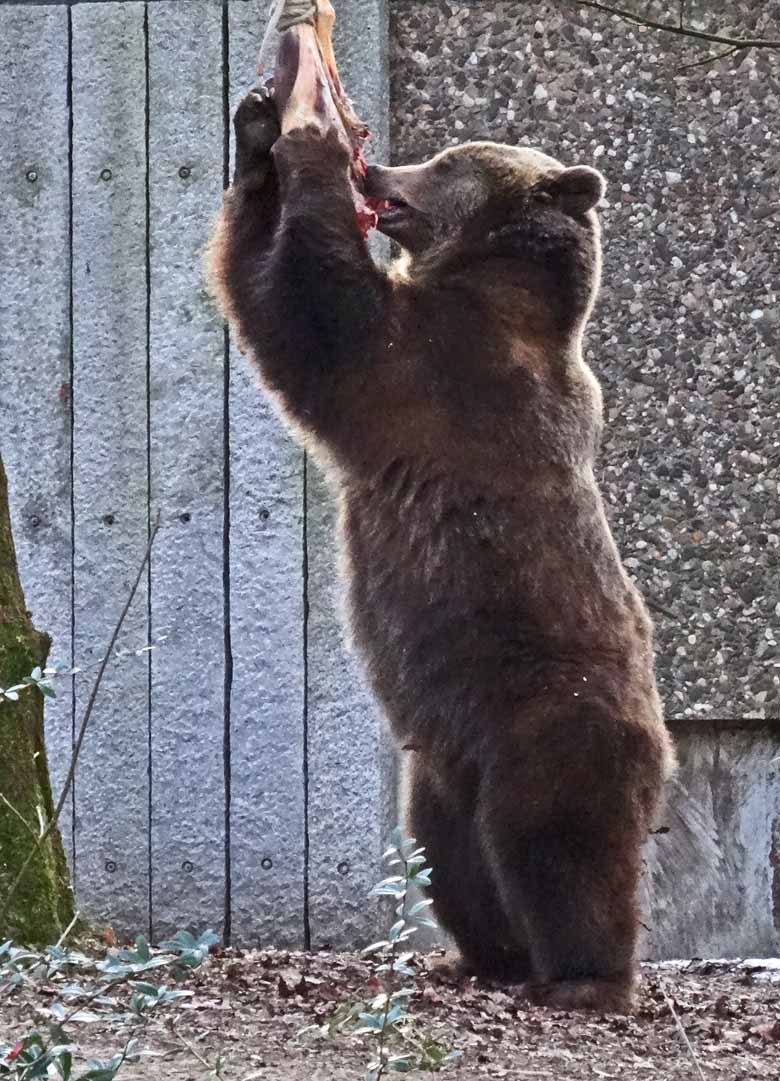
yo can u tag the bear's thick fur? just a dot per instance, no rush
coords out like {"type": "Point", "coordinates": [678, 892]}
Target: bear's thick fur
{"type": "Point", "coordinates": [450, 404]}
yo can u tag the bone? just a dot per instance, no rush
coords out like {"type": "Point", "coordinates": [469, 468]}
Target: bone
{"type": "Point", "coordinates": [315, 94]}
{"type": "Point", "coordinates": [295, 12]}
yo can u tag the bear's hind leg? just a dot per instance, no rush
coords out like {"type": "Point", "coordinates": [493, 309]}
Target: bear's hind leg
{"type": "Point", "coordinates": [575, 896]}
{"type": "Point", "coordinates": [465, 902]}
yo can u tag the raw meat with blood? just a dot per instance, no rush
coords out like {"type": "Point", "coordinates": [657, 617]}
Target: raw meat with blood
{"type": "Point", "coordinates": [308, 89]}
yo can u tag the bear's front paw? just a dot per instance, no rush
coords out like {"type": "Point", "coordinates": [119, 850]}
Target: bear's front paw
{"type": "Point", "coordinates": [257, 128]}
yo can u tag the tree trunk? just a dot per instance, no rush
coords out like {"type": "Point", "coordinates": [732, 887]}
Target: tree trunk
{"type": "Point", "coordinates": [42, 905]}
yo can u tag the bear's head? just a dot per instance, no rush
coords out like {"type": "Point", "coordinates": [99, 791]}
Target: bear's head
{"type": "Point", "coordinates": [483, 200]}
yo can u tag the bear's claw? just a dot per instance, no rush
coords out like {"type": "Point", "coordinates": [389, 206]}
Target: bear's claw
{"type": "Point", "coordinates": [257, 124]}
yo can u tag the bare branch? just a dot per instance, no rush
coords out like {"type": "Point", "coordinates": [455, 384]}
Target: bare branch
{"type": "Point", "coordinates": [82, 730]}
{"type": "Point", "coordinates": [654, 606]}
{"type": "Point", "coordinates": [735, 43]}
{"type": "Point", "coordinates": [683, 1034]}
{"type": "Point", "coordinates": [20, 816]}
{"type": "Point", "coordinates": [214, 1070]}
{"type": "Point", "coordinates": [711, 59]}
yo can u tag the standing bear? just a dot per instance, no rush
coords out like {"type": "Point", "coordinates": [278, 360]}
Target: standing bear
{"type": "Point", "coordinates": [449, 403]}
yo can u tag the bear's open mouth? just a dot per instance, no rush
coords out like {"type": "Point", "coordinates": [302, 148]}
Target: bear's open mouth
{"type": "Point", "coordinates": [388, 210]}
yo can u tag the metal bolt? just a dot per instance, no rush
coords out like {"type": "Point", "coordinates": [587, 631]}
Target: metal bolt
{"type": "Point", "coordinates": [185, 172]}
{"type": "Point", "coordinates": [34, 521]}
{"type": "Point", "coordinates": [106, 174]}
{"type": "Point", "coordinates": [108, 519]}
{"type": "Point", "coordinates": [266, 864]}
{"type": "Point", "coordinates": [32, 175]}
{"type": "Point", "coordinates": [110, 866]}
{"type": "Point", "coordinates": [187, 866]}
{"type": "Point", "coordinates": [185, 517]}
{"type": "Point", "coordinates": [344, 867]}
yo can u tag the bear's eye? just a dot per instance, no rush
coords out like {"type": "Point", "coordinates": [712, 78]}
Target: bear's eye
{"type": "Point", "coordinates": [539, 195]}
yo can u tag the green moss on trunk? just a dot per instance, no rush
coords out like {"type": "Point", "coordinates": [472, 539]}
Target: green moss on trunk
{"type": "Point", "coordinates": [42, 905]}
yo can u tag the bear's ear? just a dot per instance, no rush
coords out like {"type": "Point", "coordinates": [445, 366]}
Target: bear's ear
{"type": "Point", "coordinates": [578, 189]}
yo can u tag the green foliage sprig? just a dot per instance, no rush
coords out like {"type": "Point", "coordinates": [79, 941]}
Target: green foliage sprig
{"type": "Point", "coordinates": [41, 679]}
{"type": "Point", "coordinates": [388, 1013]}
{"type": "Point", "coordinates": [90, 994]}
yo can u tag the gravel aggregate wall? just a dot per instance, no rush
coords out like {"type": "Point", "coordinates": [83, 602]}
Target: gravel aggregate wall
{"type": "Point", "coordinates": [686, 335]}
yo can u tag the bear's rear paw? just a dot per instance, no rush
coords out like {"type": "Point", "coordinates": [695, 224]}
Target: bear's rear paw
{"type": "Point", "coordinates": [608, 996]}
{"type": "Point", "coordinates": [257, 129]}
{"type": "Point", "coordinates": [495, 967]}
{"type": "Point", "coordinates": [448, 969]}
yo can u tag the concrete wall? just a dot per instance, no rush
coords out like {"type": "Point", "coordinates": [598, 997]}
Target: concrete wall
{"type": "Point", "coordinates": [238, 778]}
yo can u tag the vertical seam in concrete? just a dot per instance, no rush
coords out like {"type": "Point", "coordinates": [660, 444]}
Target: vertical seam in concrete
{"type": "Point", "coordinates": [148, 271]}
{"type": "Point", "coordinates": [228, 641]}
{"type": "Point", "coordinates": [305, 570]}
{"type": "Point", "coordinates": [71, 442]}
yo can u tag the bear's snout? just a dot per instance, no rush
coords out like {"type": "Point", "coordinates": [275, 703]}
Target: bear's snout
{"type": "Point", "coordinates": [376, 184]}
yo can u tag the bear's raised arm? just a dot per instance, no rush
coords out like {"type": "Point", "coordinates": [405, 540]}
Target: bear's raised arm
{"type": "Point", "coordinates": [290, 266]}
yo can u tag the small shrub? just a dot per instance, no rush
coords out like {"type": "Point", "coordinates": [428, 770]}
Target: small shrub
{"type": "Point", "coordinates": [399, 1045]}
{"type": "Point", "coordinates": [109, 988]}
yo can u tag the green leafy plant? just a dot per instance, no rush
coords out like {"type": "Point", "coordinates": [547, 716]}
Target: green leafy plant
{"type": "Point", "coordinates": [387, 1019]}
{"type": "Point", "coordinates": [113, 988]}
{"type": "Point", "coordinates": [41, 679]}
{"type": "Point", "coordinates": [31, 1057]}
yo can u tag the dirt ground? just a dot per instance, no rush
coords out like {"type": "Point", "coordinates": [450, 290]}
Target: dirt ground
{"type": "Point", "coordinates": [250, 1008]}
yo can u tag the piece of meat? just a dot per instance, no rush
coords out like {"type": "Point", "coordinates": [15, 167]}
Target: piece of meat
{"type": "Point", "coordinates": [308, 89]}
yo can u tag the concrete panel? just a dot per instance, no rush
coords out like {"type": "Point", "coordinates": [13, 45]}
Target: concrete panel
{"type": "Point", "coordinates": [268, 837]}
{"type": "Point", "coordinates": [712, 887]}
{"type": "Point", "coordinates": [352, 804]}
{"type": "Point", "coordinates": [187, 469]}
{"type": "Point", "coordinates": [35, 337]}
{"type": "Point", "coordinates": [350, 764]}
{"type": "Point", "coordinates": [110, 451]}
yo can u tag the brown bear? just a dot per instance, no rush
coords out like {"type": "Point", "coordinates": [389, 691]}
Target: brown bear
{"type": "Point", "coordinates": [450, 405]}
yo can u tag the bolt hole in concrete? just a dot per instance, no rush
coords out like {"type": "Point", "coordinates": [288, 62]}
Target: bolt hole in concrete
{"type": "Point", "coordinates": [106, 174]}
{"type": "Point", "coordinates": [108, 519]}
{"type": "Point", "coordinates": [264, 514]}
{"type": "Point", "coordinates": [34, 521]}
{"type": "Point", "coordinates": [110, 866]}
{"type": "Point", "coordinates": [185, 172]}
{"type": "Point", "coordinates": [187, 866]}
{"type": "Point", "coordinates": [266, 864]}
{"type": "Point", "coordinates": [344, 867]}
{"type": "Point", "coordinates": [32, 175]}
{"type": "Point", "coordinates": [185, 517]}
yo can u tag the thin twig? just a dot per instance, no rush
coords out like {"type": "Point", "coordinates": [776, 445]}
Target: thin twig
{"type": "Point", "coordinates": [103, 990]}
{"type": "Point", "coordinates": [681, 31]}
{"type": "Point", "coordinates": [654, 606]}
{"type": "Point", "coordinates": [82, 730]}
{"type": "Point", "coordinates": [19, 815]}
{"type": "Point", "coordinates": [80, 670]}
{"type": "Point", "coordinates": [712, 59]}
{"type": "Point", "coordinates": [67, 931]}
{"type": "Point", "coordinates": [682, 1032]}
{"type": "Point", "coordinates": [216, 1070]}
